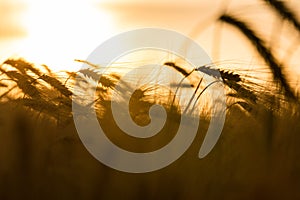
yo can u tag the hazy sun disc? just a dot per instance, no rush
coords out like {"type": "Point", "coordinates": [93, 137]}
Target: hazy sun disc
{"type": "Point", "coordinates": [60, 31]}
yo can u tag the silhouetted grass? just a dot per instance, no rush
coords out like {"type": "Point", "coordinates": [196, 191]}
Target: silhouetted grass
{"type": "Point", "coordinates": [43, 157]}
{"type": "Point", "coordinates": [264, 52]}
{"type": "Point", "coordinates": [282, 9]}
{"type": "Point", "coordinates": [256, 157]}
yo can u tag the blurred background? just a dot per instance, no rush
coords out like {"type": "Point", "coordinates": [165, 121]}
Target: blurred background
{"type": "Point", "coordinates": [57, 32]}
{"type": "Point", "coordinates": [42, 157]}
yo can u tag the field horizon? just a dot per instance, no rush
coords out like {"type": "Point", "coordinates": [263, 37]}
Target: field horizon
{"type": "Point", "coordinates": [211, 114]}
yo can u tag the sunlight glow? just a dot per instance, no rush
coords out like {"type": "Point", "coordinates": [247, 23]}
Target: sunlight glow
{"type": "Point", "coordinates": [60, 31]}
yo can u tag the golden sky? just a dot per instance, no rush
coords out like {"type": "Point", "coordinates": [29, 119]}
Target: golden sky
{"type": "Point", "coordinates": [58, 31]}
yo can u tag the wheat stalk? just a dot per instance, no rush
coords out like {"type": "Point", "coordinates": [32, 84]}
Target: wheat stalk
{"type": "Point", "coordinates": [282, 9]}
{"type": "Point", "coordinates": [264, 52]}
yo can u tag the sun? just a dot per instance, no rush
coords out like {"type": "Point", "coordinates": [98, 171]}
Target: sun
{"type": "Point", "coordinates": [60, 31]}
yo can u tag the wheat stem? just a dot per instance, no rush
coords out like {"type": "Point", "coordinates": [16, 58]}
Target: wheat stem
{"type": "Point", "coordinates": [264, 52]}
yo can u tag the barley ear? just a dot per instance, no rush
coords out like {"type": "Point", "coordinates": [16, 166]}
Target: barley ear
{"type": "Point", "coordinates": [263, 51]}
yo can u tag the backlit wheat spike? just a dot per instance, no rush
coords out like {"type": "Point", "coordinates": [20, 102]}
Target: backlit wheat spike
{"type": "Point", "coordinates": [90, 74]}
{"type": "Point", "coordinates": [23, 83]}
{"type": "Point", "coordinates": [282, 9]}
{"type": "Point", "coordinates": [107, 81]}
{"type": "Point", "coordinates": [231, 80]}
{"type": "Point", "coordinates": [22, 66]}
{"type": "Point", "coordinates": [226, 75]}
{"type": "Point", "coordinates": [242, 92]}
{"type": "Point", "coordinates": [56, 84]}
{"type": "Point", "coordinates": [14, 75]}
{"type": "Point", "coordinates": [264, 52]}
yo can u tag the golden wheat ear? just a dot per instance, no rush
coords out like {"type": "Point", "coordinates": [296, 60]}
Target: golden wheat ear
{"type": "Point", "coordinates": [55, 83]}
{"type": "Point", "coordinates": [24, 82]}
{"type": "Point", "coordinates": [263, 51]}
{"type": "Point", "coordinates": [217, 73]}
{"type": "Point", "coordinates": [22, 66]}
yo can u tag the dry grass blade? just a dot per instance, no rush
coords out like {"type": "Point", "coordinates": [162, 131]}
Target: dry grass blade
{"type": "Point", "coordinates": [264, 52]}
{"type": "Point", "coordinates": [282, 9]}
{"type": "Point", "coordinates": [231, 80]}
{"type": "Point", "coordinates": [56, 84]}
{"type": "Point", "coordinates": [15, 64]}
